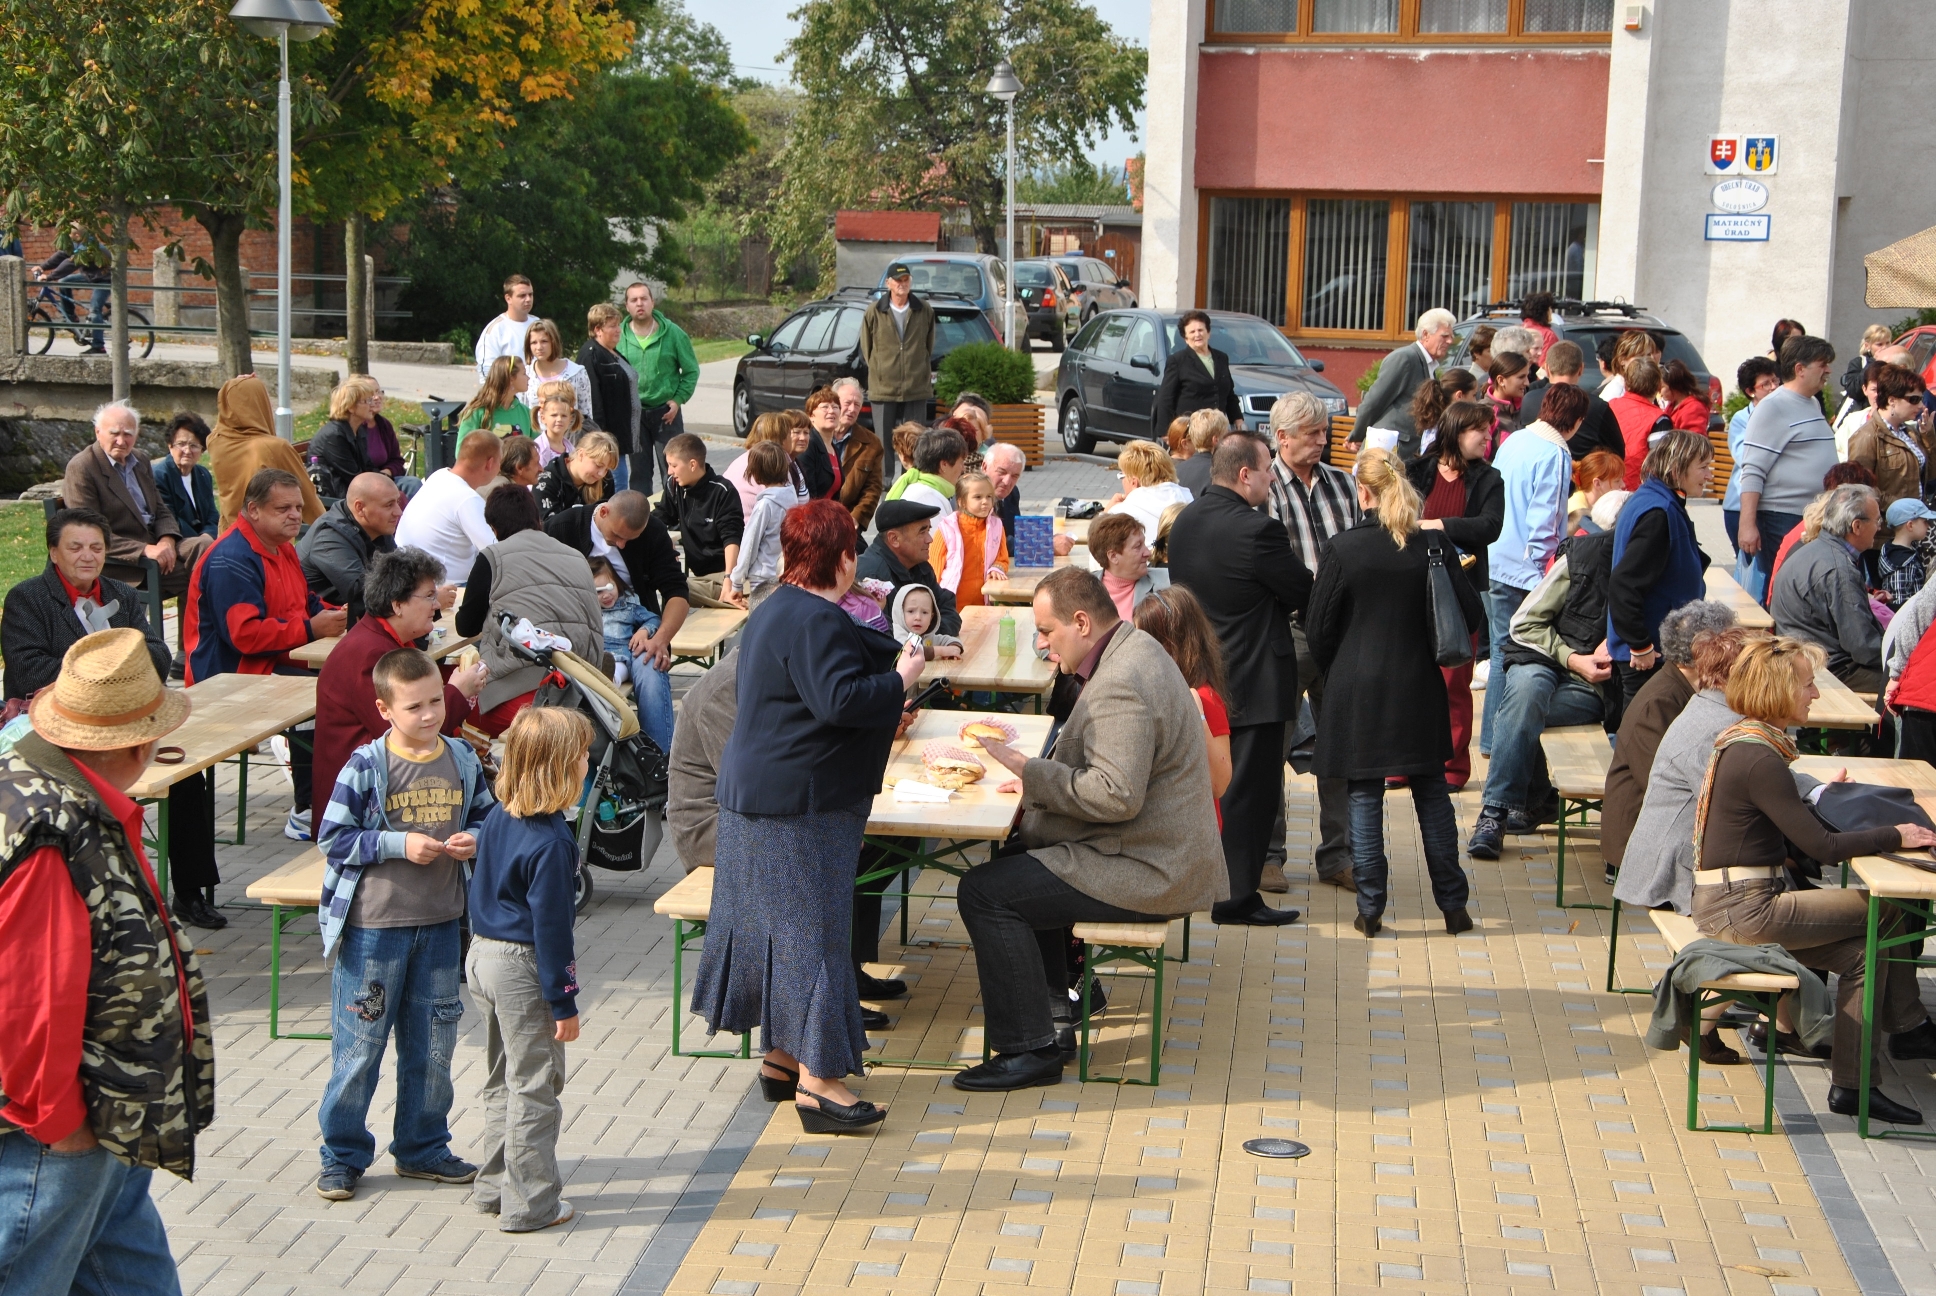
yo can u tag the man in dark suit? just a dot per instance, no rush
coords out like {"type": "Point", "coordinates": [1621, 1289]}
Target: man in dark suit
{"type": "Point", "coordinates": [1599, 430]}
{"type": "Point", "coordinates": [1239, 563]}
{"type": "Point", "coordinates": [110, 479]}
{"type": "Point", "coordinates": [1388, 404]}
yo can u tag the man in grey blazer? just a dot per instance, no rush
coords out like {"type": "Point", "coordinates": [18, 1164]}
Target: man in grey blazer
{"type": "Point", "coordinates": [110, 479]}
{"type": "Point", "coordinates": [1388, 404]}
{"type": "Point", "coordinates": [1118, 825]}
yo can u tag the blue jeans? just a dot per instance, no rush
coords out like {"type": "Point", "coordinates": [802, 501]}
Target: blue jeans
{"type": "Point", "coordinates": [1432, 802]}
{"type": "Point", "coordinates": [1774, 528]}
{"type": "Point", "coordinates": [1532, 697]}
{"type": "Point", "coordinates": [652, 689]}
{"type": "Point", "coordinates": [78, 1222]}
{"type": "Point", "coordinates": [1501, 602]}
{"type": "Point", "coordinates": [402, 979]}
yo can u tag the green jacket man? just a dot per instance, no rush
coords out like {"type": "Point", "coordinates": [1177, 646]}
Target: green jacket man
{"type": "Point", "coordinates": [661, 354]}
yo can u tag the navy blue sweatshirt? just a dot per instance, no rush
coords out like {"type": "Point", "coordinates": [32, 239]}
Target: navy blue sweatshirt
{"type": "Point", "coordinates": [523, 889]}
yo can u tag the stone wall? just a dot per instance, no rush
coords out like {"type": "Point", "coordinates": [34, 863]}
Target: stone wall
{"type": "Point", "coordinates": [734, 321]}
{"type": "Point", "coordinates": [36, 450]}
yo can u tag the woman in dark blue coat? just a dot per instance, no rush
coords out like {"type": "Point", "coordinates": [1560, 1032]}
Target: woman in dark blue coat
{"type": "Point", "coordinates": [187, 488]}
{"type": "Point", "coordinates": [1197, 376]}
{"type": "Point", "coordinates": [820, 697]}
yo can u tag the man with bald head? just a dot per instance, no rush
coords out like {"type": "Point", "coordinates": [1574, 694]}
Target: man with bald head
{"type": "Point", "coordinates": [339, 548]}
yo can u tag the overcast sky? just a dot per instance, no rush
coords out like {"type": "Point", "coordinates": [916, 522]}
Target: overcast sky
{"type": "Point", "coordinates": [757, 29]}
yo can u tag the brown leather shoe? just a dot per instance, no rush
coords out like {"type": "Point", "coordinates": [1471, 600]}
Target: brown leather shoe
{"type": "Point", "coordinates": [1341, 880]}
{"type": "Point", "coordinates": [1274, 879]}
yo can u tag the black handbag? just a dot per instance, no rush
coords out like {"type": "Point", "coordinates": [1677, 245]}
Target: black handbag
{"type": "Point", "coordinates": [1451, 637]}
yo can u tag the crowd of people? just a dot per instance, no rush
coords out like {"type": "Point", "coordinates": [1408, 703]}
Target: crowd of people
{"type": "Point", "coordinates": [1496, 518]}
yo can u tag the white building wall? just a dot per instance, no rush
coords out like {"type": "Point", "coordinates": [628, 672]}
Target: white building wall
{"type": "Point", "coordinates": [1831, 78]}
{"type": "Point", "coordinates": [1169, 254]}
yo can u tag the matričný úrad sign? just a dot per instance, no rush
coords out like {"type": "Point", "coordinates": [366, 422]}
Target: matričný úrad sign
{"type": "Point", "coordinates": [1725, 227]}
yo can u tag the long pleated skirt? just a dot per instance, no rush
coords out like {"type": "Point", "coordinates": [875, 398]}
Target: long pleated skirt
{"type": "Point", "coordinates": [777, 952]}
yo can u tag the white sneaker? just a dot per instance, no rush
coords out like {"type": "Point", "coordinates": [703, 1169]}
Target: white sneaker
{"type": "Point", "coordinates": [296, 828]}
{"type": "Point", "coordinates": [1481, 671]}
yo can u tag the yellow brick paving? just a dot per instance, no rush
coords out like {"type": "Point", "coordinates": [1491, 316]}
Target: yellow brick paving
{"type": "Point", "coordinates": [1480, 1117]}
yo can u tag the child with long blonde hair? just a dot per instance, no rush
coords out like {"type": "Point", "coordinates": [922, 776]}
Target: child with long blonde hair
{"type": "Point", "coordinates": [523, 970]}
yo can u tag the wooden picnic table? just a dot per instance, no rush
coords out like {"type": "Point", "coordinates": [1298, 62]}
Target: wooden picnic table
{"type": "Point", "coordinates": [1723, 588]}
{"type": "Point", "coordinates": [290, 892]}
{"type": "Point", "coordinates": [1077, 529]}
{"type": "Point", "coordinates": [1019, 588]}
{"type": "Point", "coordinates": [1905, 891]}
{"type": "Point", "coordinates": [444, 642]}
{"type": "Point", "coordinates": [704, 632]}
{"type": "Point", "coordinates": [1839, 707]}
{"type": "Point", "coordinates": [976, 813]}
{"type": "Point", "coordinates": [228, 716]}
{"type": "Point", "coordinates": [982, 668]}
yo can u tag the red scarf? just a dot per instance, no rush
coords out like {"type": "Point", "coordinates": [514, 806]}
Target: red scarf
{"type": "Point", "coordinates": [74, 596]}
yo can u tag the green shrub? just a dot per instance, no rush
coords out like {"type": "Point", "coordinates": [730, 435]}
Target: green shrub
{"type": "Point", "coordinates": [1003, 376]}
{"type": "Point", "coordinates": [461, 341]}
{"type": "Point", "coordinates": [1736, 401]}
{"type": "Point", "coordinates": [1370, 376]}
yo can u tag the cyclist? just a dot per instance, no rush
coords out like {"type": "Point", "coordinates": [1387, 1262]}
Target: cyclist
{"type": "Point", "coordinates": [86, 262]}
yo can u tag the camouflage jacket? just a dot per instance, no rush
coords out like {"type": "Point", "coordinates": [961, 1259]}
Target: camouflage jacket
{"type": "Point", "coordinates": [148, 1091]}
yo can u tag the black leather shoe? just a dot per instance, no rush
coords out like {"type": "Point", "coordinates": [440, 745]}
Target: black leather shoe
{"type": "Point", "coordinates": [826, 1117]}
{"type": "Point", "coordinates": [1843, 1102]}
{"type": "Point", "coordinates": [1369, 926]}
{"type": "Point", "coordinates": [1065, 1040]}
{"type": "Point", "coordinates": [877, 988]}
{"type": "Point", "coordinates": [1915, 1044]}
{"type": "Point", "coordinates": [778, 1088]}
{"type": "Point", "coordinates": [197, 912]}
{"type": "Point", "coordinates": [1787, 1043]}
{"type": "Point", "coordinates": [872, 1019]}
{"type": "Point", "coordinates": [1255, 914]}
{"type": "Point", "coordinates": [1458, 920]}
{"type": "Point", "coordinates": [1007, 1071]}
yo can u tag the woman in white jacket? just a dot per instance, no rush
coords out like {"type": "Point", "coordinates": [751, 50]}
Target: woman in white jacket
{"type": "Point", "coordinates": [1149, 486]}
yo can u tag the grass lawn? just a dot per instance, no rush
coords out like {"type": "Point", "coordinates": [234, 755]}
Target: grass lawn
{"type": "Point", "coordinates": [708, 349]}
{"type": "Point", "coordinates": [397, 411]}
{"type": "Point", "coordinates": [23, 542]}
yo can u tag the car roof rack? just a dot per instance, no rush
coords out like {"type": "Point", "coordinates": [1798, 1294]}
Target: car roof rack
{"type": "Point", "coordinates": [1573, 306]}
{"type": "Point", "coordinates": [869, 294]}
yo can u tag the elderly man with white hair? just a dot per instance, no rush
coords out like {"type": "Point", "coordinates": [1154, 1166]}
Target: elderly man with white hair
{"type": "Point", "coordinates": [859, 454]}
{"type": "Point", "coordinates": [1821, 593]}
{"type": "Point", "coordinates": [1388, 405]}
{"type": "Point", "coordinates": [109, 478]}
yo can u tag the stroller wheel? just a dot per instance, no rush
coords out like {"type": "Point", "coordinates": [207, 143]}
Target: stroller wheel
{"type": "Point", "coordinates": [584, 891]}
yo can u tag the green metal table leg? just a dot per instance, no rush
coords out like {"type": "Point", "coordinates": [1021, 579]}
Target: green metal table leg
{"type": "Point", "coordinates": [161, 842]}
{"type": "Point", "coordinates": [1613, 953]}
{"type": "Point", "coordinates": [1581, 808]}
{"type": "Point", "coordinates": [241, 800]}
{"type": "Point", "coordinates": [1871, 950]}
{"type": "Point", "coordinates": [275, 971]}
{"type": "Point", "coordinates": [685, 931]}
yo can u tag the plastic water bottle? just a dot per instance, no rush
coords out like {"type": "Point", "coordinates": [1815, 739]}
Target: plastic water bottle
{"type": "Point", "coordinates": [1005, 635]}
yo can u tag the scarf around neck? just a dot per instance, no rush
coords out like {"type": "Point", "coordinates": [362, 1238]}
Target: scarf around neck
{"type": "Point", "coordinates": [1741, 731]}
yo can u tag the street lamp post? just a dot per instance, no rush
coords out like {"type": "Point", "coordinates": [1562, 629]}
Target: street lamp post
{"type": "Point", "coordinates": [283, 21]}
{"type": "Point", "coordinates": [1004, 85]}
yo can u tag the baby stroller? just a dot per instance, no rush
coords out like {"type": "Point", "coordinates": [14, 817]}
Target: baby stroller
{"type": "Point", "coordinates": [619, 816]}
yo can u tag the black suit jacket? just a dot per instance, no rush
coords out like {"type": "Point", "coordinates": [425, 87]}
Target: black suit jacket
{"type": "Point", "coordinates": [650, 558]}
{"type": "Point", "coordinates": [1239, 563]}
{"type": "Point", "coordinates": [1188, 387]}
{"type": "Point", "coordinates": [38, 626]}
{"type": "Point", "coordinates": [197, 515]}
{"type": "Point", "coordinates": [1599, 430]}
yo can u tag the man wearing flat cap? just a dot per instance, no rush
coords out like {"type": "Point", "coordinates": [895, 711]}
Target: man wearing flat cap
{"type": "Point", "coordinates": [897, 350]}
{"type": "Point", "coordinates": [899, 555]}
{"type": "Point", "coordinates": [107, 1072]}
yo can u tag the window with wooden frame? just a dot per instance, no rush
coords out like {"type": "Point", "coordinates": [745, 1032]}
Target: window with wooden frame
{"type": "Point", "coordinates": [1365, 266]}
{"type": "Point", "coordinates": [1261, 22]}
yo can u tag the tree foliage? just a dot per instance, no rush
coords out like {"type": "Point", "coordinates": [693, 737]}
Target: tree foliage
{"type": "Point", "coordinates": [897, 115]}
{"type": "Point", "coordinates": [1076, 181]}
{"type": "Point", "coordinates": [581, 187]}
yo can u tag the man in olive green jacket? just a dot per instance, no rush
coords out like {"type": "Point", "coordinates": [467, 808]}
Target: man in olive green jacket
{"type": "Point", "coordinates": [897, 346]}
{"type": "Point", "coordinates": [661, 355]}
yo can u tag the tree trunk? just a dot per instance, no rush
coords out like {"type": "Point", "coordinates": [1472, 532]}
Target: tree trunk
{"type": "Point", "coordinates": [355, 288]}
{"type": "Point", "coordinates": [118, 309]}
{"type": "Point", "coordinates": [231, 291]}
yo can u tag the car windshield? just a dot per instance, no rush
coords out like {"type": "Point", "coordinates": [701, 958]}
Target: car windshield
{"type": "Point", "coordinates": [959, 328]}
{"type": "Point", "coordinates": [946, 279]}
{"type": "Point", "coordinates": [1246, 342]}
{"type": "Point", "coordinates": [1673, 346]}
{"type": "Point", "coordinates": [1033, 275]}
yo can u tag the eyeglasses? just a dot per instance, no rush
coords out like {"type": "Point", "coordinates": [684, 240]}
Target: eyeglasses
{"type": "Point", "coordinates": [431, 597]}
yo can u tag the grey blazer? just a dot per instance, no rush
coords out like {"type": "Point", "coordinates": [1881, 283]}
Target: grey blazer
{"type": "Point", "coordinates": [1389, 402]}
{"type": "Point", "coordinates": [1121, 808]}
{"type": "Point", "coordinates": [1657, 867]}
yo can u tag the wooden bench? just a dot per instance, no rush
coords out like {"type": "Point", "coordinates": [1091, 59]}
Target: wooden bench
{"type": "Point", "coordinates": [1577, 760]}
{"type": "Point", "coordinates": [1758, 990]}
{"type": "Point", "coordinates": [1143, 945]}
{"type": "Point", "coordinates": [290, 892]}
{"type": "Point", "coordinates": [689, 903]}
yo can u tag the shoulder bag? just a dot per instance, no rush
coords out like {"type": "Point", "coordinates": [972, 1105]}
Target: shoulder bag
{"type": "Point", "coordinates": [1451, 637]}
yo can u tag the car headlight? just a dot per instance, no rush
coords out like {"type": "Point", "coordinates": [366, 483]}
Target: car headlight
{"type": "Point", "coordinates": [1334, 404]}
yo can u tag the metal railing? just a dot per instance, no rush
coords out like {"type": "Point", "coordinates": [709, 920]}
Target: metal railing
{"type": "Point", "coordinates": [254, 294]}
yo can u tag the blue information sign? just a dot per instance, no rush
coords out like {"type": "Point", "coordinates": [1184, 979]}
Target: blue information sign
{"type": "Point", "coordinates": [1726, 227]}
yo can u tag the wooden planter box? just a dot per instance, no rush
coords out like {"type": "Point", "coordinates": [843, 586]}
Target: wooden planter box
{"type": "Point", "coordinates": [1021, 427]}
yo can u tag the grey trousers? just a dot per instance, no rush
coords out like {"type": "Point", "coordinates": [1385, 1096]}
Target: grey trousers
{"type": "Point", "coordinates": [1333, 856]}
{"type": "Point", "coordinates": [519, 1178]}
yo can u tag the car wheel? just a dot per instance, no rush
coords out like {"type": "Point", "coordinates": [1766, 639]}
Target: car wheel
{"type": "Point", "coordinates": [1075, 435]}
{"type": "Point", "coordinates": [742, 409]}
{"type": "Point", "coordinates": [1057, 340]}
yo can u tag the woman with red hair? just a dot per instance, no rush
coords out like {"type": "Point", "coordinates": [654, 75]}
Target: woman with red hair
{"type": "Point", "coordinates": [820, 697]}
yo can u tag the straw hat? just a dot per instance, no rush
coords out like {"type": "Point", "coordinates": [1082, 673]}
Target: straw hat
{"type": "Point", "coordinates": [107, 696]}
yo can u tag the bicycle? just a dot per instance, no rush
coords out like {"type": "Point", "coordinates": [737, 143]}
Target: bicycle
{"type": "Point", "coordinates": [43, 324]}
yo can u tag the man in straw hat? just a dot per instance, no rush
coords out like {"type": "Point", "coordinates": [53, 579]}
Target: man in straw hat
{"type": "Point", "coordinates": [106, 1065]}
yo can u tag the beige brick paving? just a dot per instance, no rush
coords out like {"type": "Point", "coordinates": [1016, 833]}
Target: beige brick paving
{"type": "Point", "coordinates": [1478, 1117]}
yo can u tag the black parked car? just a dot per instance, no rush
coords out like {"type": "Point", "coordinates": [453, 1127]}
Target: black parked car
{"type": "Point", "coordinates": [1050, 300]}
{"type": "Point", "coordinates": [1106, 385]}
{"type": "Point", "coordinates": [821, 342]}
{"type": "Point", "coordinates": [1098, 285]}
{"type": "Point", "coordinates": [1586, 323]}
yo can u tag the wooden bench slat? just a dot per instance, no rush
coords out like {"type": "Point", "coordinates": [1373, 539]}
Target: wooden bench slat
{"type": "Point", "coordinates": [1134, 935]}
{"type": "Point", "coordinates": [690, 898]}
{"type": "Point", "coordinates": [299, 882]}
{"type": "Point", "coordinates": [1681, 932]}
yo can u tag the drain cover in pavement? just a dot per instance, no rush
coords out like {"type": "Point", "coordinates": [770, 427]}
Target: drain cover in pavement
{"type": "Point", "coordinates": [1276, 1147]}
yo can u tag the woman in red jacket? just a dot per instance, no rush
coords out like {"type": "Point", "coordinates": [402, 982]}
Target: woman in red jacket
{"type": "Point", "coordinates": [403, 583]}
{"type": "Point", "coordinates": [1686, 406]}
{"type": "Point", "coordinates": [1639, 413]}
